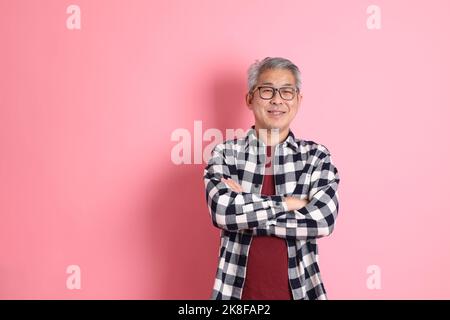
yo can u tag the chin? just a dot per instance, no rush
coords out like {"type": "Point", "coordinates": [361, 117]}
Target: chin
{"type": "Point", "coordinates": [273, 125]}
{"type": "Point", "coordinates": [270, 126]}
{"type": "Point", "coordinates": [276, 125]}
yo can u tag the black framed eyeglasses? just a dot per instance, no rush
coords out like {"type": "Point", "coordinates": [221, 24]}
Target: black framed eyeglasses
{"type": "Point", "coordinates": [267, 92]}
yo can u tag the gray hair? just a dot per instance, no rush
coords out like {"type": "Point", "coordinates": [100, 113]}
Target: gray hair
{"type": "Point", "coordinates": [258, 67]}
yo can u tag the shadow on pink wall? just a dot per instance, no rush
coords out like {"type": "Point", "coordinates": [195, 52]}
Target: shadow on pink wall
{"type": "Point", "coordinates": [181, 236]}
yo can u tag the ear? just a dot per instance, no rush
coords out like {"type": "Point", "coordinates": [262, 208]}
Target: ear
{"type": "Point", "coordinates": [299, 97]}
{"type": "Point", "coordinates": [248, 100]}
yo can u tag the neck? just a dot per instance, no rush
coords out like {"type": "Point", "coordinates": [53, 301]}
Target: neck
{"type": "Point", "coordinates": [271, 137]}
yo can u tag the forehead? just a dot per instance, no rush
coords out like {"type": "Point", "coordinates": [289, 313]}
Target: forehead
{"type": "Point", "coordinates": [277, 77]}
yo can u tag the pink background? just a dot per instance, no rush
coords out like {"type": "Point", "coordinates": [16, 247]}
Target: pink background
{"type": "Point", "coordinates": [86, 176]}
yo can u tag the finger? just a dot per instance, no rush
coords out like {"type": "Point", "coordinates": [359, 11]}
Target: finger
{"type": "Point", "coordinates": [227, 183]}
{"type": "Point", "coordinates": [236, 185]}
{"type": "Point", "coordinates": [230, 184]}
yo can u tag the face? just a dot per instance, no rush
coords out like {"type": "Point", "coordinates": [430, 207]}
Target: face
{"type": "Point", "coordinates": [276, 112]}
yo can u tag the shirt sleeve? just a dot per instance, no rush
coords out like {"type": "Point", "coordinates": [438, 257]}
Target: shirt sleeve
{"type": "Point", "coordinates": [230, 210]}
{"type": "Point", "coordinates": [316, 219]}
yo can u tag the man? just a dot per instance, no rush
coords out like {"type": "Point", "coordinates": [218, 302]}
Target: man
{"type": "Point", "coordinates": [272, 195]}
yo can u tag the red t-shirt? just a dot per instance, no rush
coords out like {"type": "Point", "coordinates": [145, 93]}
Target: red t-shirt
{"type": "Point", "coordinates": [267, 265]}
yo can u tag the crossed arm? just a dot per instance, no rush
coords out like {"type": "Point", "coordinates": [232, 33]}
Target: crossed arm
{"type": "Point", "coordinates": [287, 217]}
{"type": "Point", "coordinates": [291, 202]}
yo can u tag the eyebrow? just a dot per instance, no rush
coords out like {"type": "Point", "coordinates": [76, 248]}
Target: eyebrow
{"type": "Point", "coordinates": [286, 84]}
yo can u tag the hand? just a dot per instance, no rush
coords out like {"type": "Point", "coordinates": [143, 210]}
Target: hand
{"type": "Point", "coordinates": [294, 203]}
{"type": "Point", "coordinates": [233, 185]}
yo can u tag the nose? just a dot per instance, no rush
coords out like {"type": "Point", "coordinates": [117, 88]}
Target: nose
{"type": "Point", "coordinates": [276, 99]}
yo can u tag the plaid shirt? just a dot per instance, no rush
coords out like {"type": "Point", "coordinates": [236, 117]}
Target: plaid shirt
{"type": "Point", "coordinates": [301, 168]}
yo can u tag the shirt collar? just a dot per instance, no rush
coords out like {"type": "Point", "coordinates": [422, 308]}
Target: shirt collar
{"type": "Point", "coordinates": [253, 141]}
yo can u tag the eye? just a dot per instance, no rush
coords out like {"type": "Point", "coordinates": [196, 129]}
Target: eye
{"type": "Point", "coordinates": [287, 90]}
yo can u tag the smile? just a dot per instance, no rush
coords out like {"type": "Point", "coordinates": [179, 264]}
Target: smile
{"type": "Point", "coordinates": [276, 113]}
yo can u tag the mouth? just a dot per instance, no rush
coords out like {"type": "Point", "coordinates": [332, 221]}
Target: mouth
{"type": "Point", "coordinates": [276, 113]}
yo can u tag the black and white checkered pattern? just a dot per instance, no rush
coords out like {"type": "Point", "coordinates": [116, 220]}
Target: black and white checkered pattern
{"type": "Point", "coordinates": [301, 168]}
